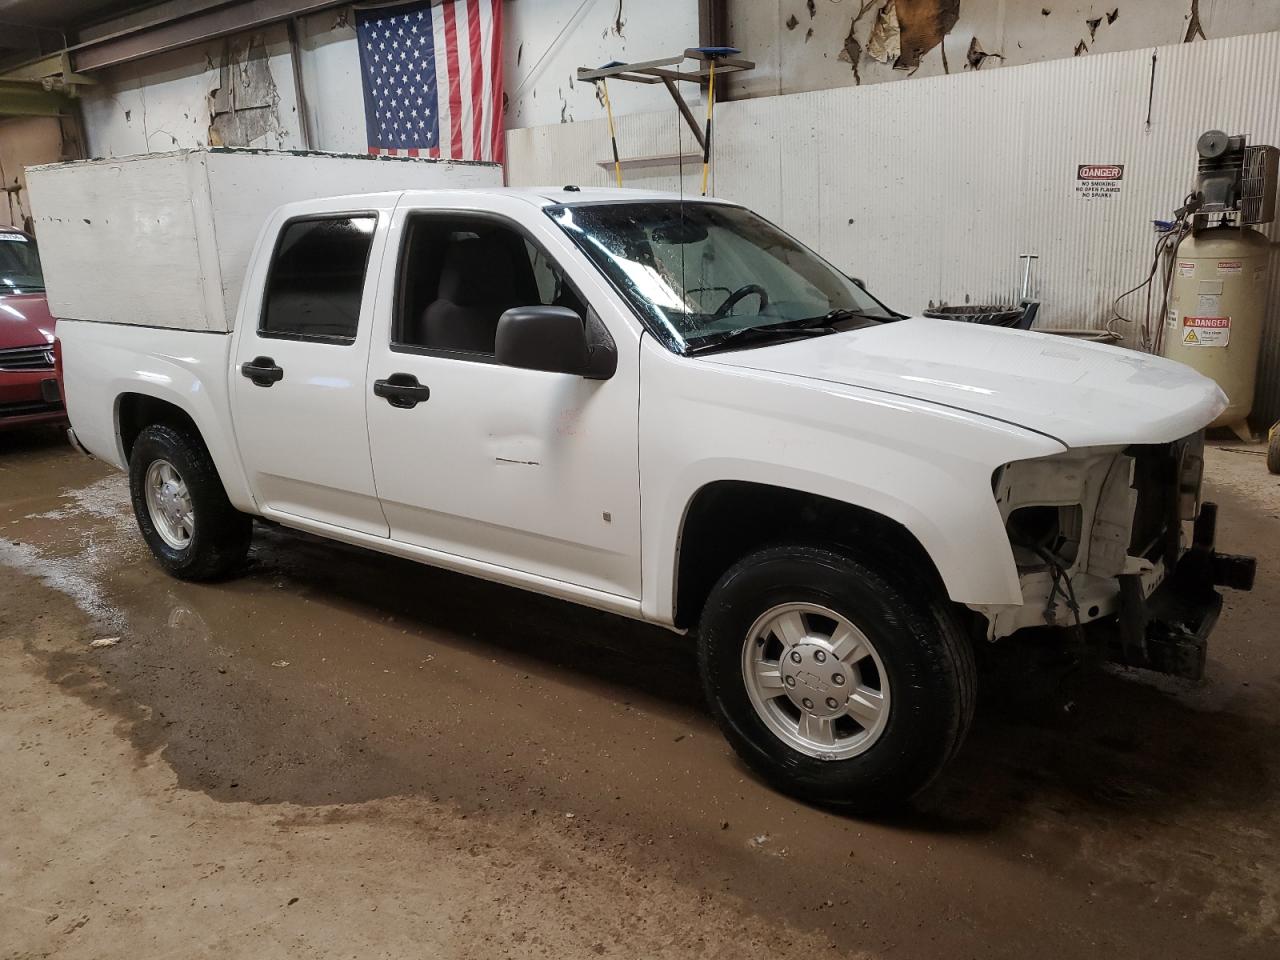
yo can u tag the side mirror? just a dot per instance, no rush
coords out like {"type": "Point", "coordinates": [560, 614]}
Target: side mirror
{"type": "Point", "coordinates": [542, 338]}
{"type": "Point", "coordinates": [859, 282]}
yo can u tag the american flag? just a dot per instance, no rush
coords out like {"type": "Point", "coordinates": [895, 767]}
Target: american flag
{"type": "Point", "coordinates": [432, 76]}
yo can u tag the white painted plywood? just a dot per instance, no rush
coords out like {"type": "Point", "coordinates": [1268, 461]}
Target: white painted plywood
{"type": "Point", "coordinates": [118, 241]}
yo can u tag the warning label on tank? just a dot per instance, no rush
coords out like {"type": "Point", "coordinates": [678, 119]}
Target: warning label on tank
{"type": "Point", "coordinates": [1186, 268]}
{"type": "Point", "coordinates": [1209, 303]}
{"type": "Point", "coordinates": [1230, 268]}
{"type": "Point", "coordinates": [1206, 331]}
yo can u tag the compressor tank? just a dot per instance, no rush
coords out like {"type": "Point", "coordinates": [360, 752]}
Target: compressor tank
{"type": "Point", "coordinates": [1217, 303]}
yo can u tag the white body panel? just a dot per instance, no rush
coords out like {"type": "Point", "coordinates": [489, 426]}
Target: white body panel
{"type": "Point", "coordinates": [524, 469]}
{"type": "Point", "coordinates": [925, 466]}
{"type": "Point", "coordinates": [509, 474]}
{"type": "Point", "coordinates": [1084, 394]}
{"type": "Point", "coordinates": [169, 235]}
{"type": "Point", "coordinates": [304, 441]}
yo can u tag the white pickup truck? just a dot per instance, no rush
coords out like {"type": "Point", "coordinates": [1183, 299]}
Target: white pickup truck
{"type": "Point", "coordinates": [671, 410]}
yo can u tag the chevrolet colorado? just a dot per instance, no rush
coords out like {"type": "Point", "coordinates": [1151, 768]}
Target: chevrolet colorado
{"type": "Point", "coordinates": [672, 410]}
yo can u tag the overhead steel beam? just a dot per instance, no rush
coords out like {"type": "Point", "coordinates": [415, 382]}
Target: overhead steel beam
{"type": "Point", "coordinates": [55, 68]}
{"type": "Point", "coordinates": [186, 30]}
{"type": "Point", "coordinates": [30, 100]}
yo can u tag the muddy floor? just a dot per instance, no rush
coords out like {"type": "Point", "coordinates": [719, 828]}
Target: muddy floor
{"type": "Point", "coordinates": [339, 754]}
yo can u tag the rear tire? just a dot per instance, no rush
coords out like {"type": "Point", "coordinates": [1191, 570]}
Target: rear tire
{"type": "Point", "coordinates": [836, 683]}
{"type": "Point", "coordinates": [182, 509]}
{"type": "Point", "coordinates": [1273, 450]}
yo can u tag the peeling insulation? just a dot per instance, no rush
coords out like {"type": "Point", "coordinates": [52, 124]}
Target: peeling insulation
{"type": "Point", "coordinates": [244, 106]}
{"type": "Point", "coordinates": [885, 42]}
{"type": "Point", "coordinates": [876, 41]}
{"type": "Point", "coordinates": [923, 24]}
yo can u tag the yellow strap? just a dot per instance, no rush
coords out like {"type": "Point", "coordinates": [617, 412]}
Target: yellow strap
{"type": "Point", "coordinates": [711, 100]}
{"type": "Point", "coordinates": [613, 137]}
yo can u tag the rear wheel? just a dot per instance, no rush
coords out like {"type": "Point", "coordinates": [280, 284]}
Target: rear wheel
{"type": "Point", "coordinates": [836, 683]}
{"type": "Point", "coordinates": [1273, 450]}
{"type": "Point", "coordinates": [182, 509]}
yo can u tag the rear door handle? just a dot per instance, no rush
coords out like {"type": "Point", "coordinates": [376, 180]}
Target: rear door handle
{"type": "Point", "coordinates": [401, 390]}
{"type": "Point", "coordinates": [262, 371]}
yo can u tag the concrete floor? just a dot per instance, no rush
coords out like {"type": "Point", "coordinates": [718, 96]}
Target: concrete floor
{"type": "Point", "coordinates": [345, 755]}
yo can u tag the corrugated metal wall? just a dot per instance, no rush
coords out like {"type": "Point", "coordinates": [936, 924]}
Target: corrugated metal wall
{"type": "Point", "coordinates": [930, 189]}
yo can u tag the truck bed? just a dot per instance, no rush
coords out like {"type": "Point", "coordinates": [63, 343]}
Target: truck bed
{"type": "Point", "coordinates": [109, 359]}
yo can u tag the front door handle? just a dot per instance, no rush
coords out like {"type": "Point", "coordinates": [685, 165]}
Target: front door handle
{"type": "Point", "coordinates": [262, 371]}
{"type": "Point", "coordinates": [401, 390]}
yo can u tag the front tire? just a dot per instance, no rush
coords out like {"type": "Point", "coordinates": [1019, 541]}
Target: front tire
{"type": "Point", "coordinates": [836, 683]}
{"type": "Point", "coordinates": [182, 509]}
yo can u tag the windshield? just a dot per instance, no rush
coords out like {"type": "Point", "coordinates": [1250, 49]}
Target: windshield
{"type": "Point", "coordinates": [19, 264]}
{"type": "Point", "coordinates": [698, 271]}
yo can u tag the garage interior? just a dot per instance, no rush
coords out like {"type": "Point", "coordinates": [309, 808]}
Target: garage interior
{"type": "Point", "coordinates": [341, 753]}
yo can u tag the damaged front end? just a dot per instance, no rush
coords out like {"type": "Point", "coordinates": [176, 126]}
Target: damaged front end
{"type": "Point", "coordinates": [1098, 539]}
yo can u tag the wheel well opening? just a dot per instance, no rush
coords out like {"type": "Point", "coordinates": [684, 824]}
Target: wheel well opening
{"type": "Point", "coordinates": [729, 519]}
{"type": "Point", "coordinates": [137, 411]}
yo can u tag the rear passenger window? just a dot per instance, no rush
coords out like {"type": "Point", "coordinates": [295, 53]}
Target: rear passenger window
{"type": "Point", "coordinates": [317, 279]}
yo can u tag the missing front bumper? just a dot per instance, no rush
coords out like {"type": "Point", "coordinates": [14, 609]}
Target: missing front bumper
{"type": "Point", "coordinates": [1168, 632]}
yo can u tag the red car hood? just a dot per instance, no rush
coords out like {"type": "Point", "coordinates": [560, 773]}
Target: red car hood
{"type": "Point", "coordinates": [25, 321]}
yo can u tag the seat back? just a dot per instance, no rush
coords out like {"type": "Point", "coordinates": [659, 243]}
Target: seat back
{"type": "Point", "coordinates": [477, 285]}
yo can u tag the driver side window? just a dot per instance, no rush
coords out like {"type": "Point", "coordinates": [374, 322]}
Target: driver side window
{"type": "Point", "coordinates": [459, 274]}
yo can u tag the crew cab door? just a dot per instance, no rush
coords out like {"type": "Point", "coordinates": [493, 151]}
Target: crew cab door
{"type": "Point", "coordinates": [297, 387]}
{"type": "Point", "coordinates": [526, 471]}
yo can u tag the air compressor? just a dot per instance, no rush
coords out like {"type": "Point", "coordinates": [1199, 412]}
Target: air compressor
{"type": "Point", "coordinates": [1221, 269]}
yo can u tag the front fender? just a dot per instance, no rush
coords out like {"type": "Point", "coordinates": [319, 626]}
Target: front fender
{"type": "Point", "coordinates": [927, 467]}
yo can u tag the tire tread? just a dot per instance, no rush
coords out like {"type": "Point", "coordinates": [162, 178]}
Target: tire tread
{"type": "Point", "coordinates": [223, 533]}
{"type": "Point", "coordinates": [920, 607]}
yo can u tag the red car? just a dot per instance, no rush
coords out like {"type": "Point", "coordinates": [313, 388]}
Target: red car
{"type": "Point", "coordinates": [29, 391]}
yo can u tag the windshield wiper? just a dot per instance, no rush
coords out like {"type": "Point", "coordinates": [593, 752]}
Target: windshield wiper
{"type": "Point", "coordinates": [836, 315]}
{"type": "Point", "coordinates": [805, 326]}
{"type": "Point", "coordinates": [788, 330]}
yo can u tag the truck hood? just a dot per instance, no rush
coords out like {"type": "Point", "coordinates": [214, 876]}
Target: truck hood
{"type": "Point", "coordinates": [25, 321]}
{"type": "Point", "coordinates": [1080, 393]}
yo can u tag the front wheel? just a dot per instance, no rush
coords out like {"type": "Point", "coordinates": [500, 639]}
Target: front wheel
{"type": "Point", "coordinates": [182, 509]}
{"type": "Point", "coordinates": [832, 680]}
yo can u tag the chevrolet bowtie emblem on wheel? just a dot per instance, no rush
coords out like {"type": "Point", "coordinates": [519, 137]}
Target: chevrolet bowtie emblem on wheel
{"type": "Point", "coordinates": [812, 681]}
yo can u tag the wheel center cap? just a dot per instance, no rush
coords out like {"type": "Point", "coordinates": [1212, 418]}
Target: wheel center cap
{"type": "Point", "coordinates": [816, 682]}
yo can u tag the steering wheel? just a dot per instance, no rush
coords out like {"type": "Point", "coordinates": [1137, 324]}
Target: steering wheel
{"type": "Point", "coordinates": [743, 291]}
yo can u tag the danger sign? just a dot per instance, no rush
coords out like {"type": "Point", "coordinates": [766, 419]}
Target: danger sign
{"type": "Point", "coordinates": [1206, 331]}
{"type": "Point", "coordinates": [1099, 181]}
